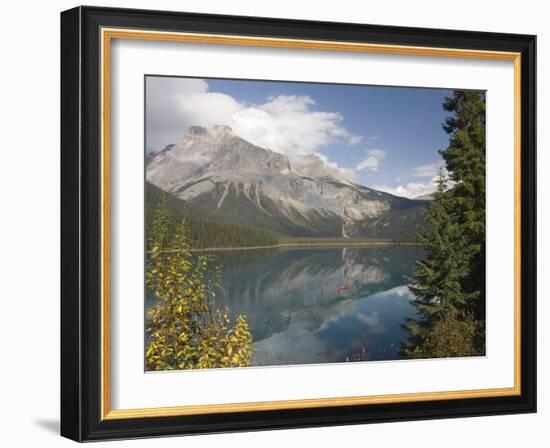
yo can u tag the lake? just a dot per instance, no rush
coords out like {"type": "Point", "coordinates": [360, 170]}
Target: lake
{"type": "Point", "coordinates": [318, 305]}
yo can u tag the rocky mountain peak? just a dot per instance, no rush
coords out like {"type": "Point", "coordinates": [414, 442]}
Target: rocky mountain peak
{"type": "Point", "coordinates": [313, 165]}
{"type": "Point", "coordinates": [215, 131]}
{"type": "Point", "coordinates": [216, 169]}
{"type": "Point", "coordinates": [222, 128]}
{"type": "Point", "coordinates": [197, 131]}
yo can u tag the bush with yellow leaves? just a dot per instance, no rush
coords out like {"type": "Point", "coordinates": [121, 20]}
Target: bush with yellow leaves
{"type": "Point", "coordinates": [184, 330]}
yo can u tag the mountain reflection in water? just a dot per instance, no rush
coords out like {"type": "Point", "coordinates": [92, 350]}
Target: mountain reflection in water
{"type": "Point", "coordinates": [315, 305]}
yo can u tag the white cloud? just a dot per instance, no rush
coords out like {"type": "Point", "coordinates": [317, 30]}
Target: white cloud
{"type": "Point", "coordinates": [401, 291]}
{"type": "Point", "coordinates": [372, 162]}
{"type": "Point", "coordinates": [429, 170]}
{"type": "Point", "coordinates": [337, 171]}
{"type": "Point", "coordinates": [285, 123]}
{"type": "Point", "coordinates": [209, 108]}
{"type": "Point", "coordinates": [412, 189]}
{"type": "Point", "coordinates": [164, 122]}
{"type": "Point", "coordinates": [356, 139]}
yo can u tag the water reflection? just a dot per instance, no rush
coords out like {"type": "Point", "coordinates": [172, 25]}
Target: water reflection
{"type": "Point", "coordinates": [320, 305]}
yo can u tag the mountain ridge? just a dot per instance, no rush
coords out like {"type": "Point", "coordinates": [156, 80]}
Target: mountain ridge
{"type": "Point", "coordinates": [240, 182]}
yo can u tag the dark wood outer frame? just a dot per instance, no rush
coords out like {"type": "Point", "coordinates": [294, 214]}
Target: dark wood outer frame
{"type": "Point", "coordinates": [81, 224]}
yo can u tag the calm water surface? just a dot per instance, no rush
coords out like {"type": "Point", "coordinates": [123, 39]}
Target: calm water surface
{"type": "Point", "coordinates": [315, 305]}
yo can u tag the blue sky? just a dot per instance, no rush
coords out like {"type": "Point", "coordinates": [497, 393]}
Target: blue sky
{"type": "Point", "coordinates": [381, 137]}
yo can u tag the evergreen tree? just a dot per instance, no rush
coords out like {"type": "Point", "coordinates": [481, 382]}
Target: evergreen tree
{"type": "Point", "coordinates": [437, 286]}
{"type": "Point", "coordinates": [450, 282]}
{"type": "Point", "coordinates": [465, 162]}
{"type": "Point", "coordinates": [439, 298]}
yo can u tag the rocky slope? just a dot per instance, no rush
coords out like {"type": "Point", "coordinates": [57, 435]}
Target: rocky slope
{"type": "Point", "coordinates": [240, 182]}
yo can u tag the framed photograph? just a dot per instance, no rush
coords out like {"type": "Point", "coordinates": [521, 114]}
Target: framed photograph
{"type": "Point", "coordinates": [276, 224]}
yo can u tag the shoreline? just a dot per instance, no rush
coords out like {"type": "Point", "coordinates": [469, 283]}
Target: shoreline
{"type": "Point", "coordinates": [283, 245]}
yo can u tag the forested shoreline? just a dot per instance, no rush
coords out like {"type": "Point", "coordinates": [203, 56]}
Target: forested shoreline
{"type": "Point", "coordinates": [208, 232]}
{"type": "Point", "coordinates": [204, 230]}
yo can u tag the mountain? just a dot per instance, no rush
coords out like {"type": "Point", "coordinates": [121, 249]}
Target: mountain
{"type": "Point", "coordinates": [216, 170]}
{"type": "Point", "coordinates": [205, 230]}
{"type": "Point", "coordinates": [152, 155]}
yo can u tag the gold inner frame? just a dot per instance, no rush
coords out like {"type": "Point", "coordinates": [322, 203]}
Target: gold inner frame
{"type": "Point", "coordinates": [107, 35]}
